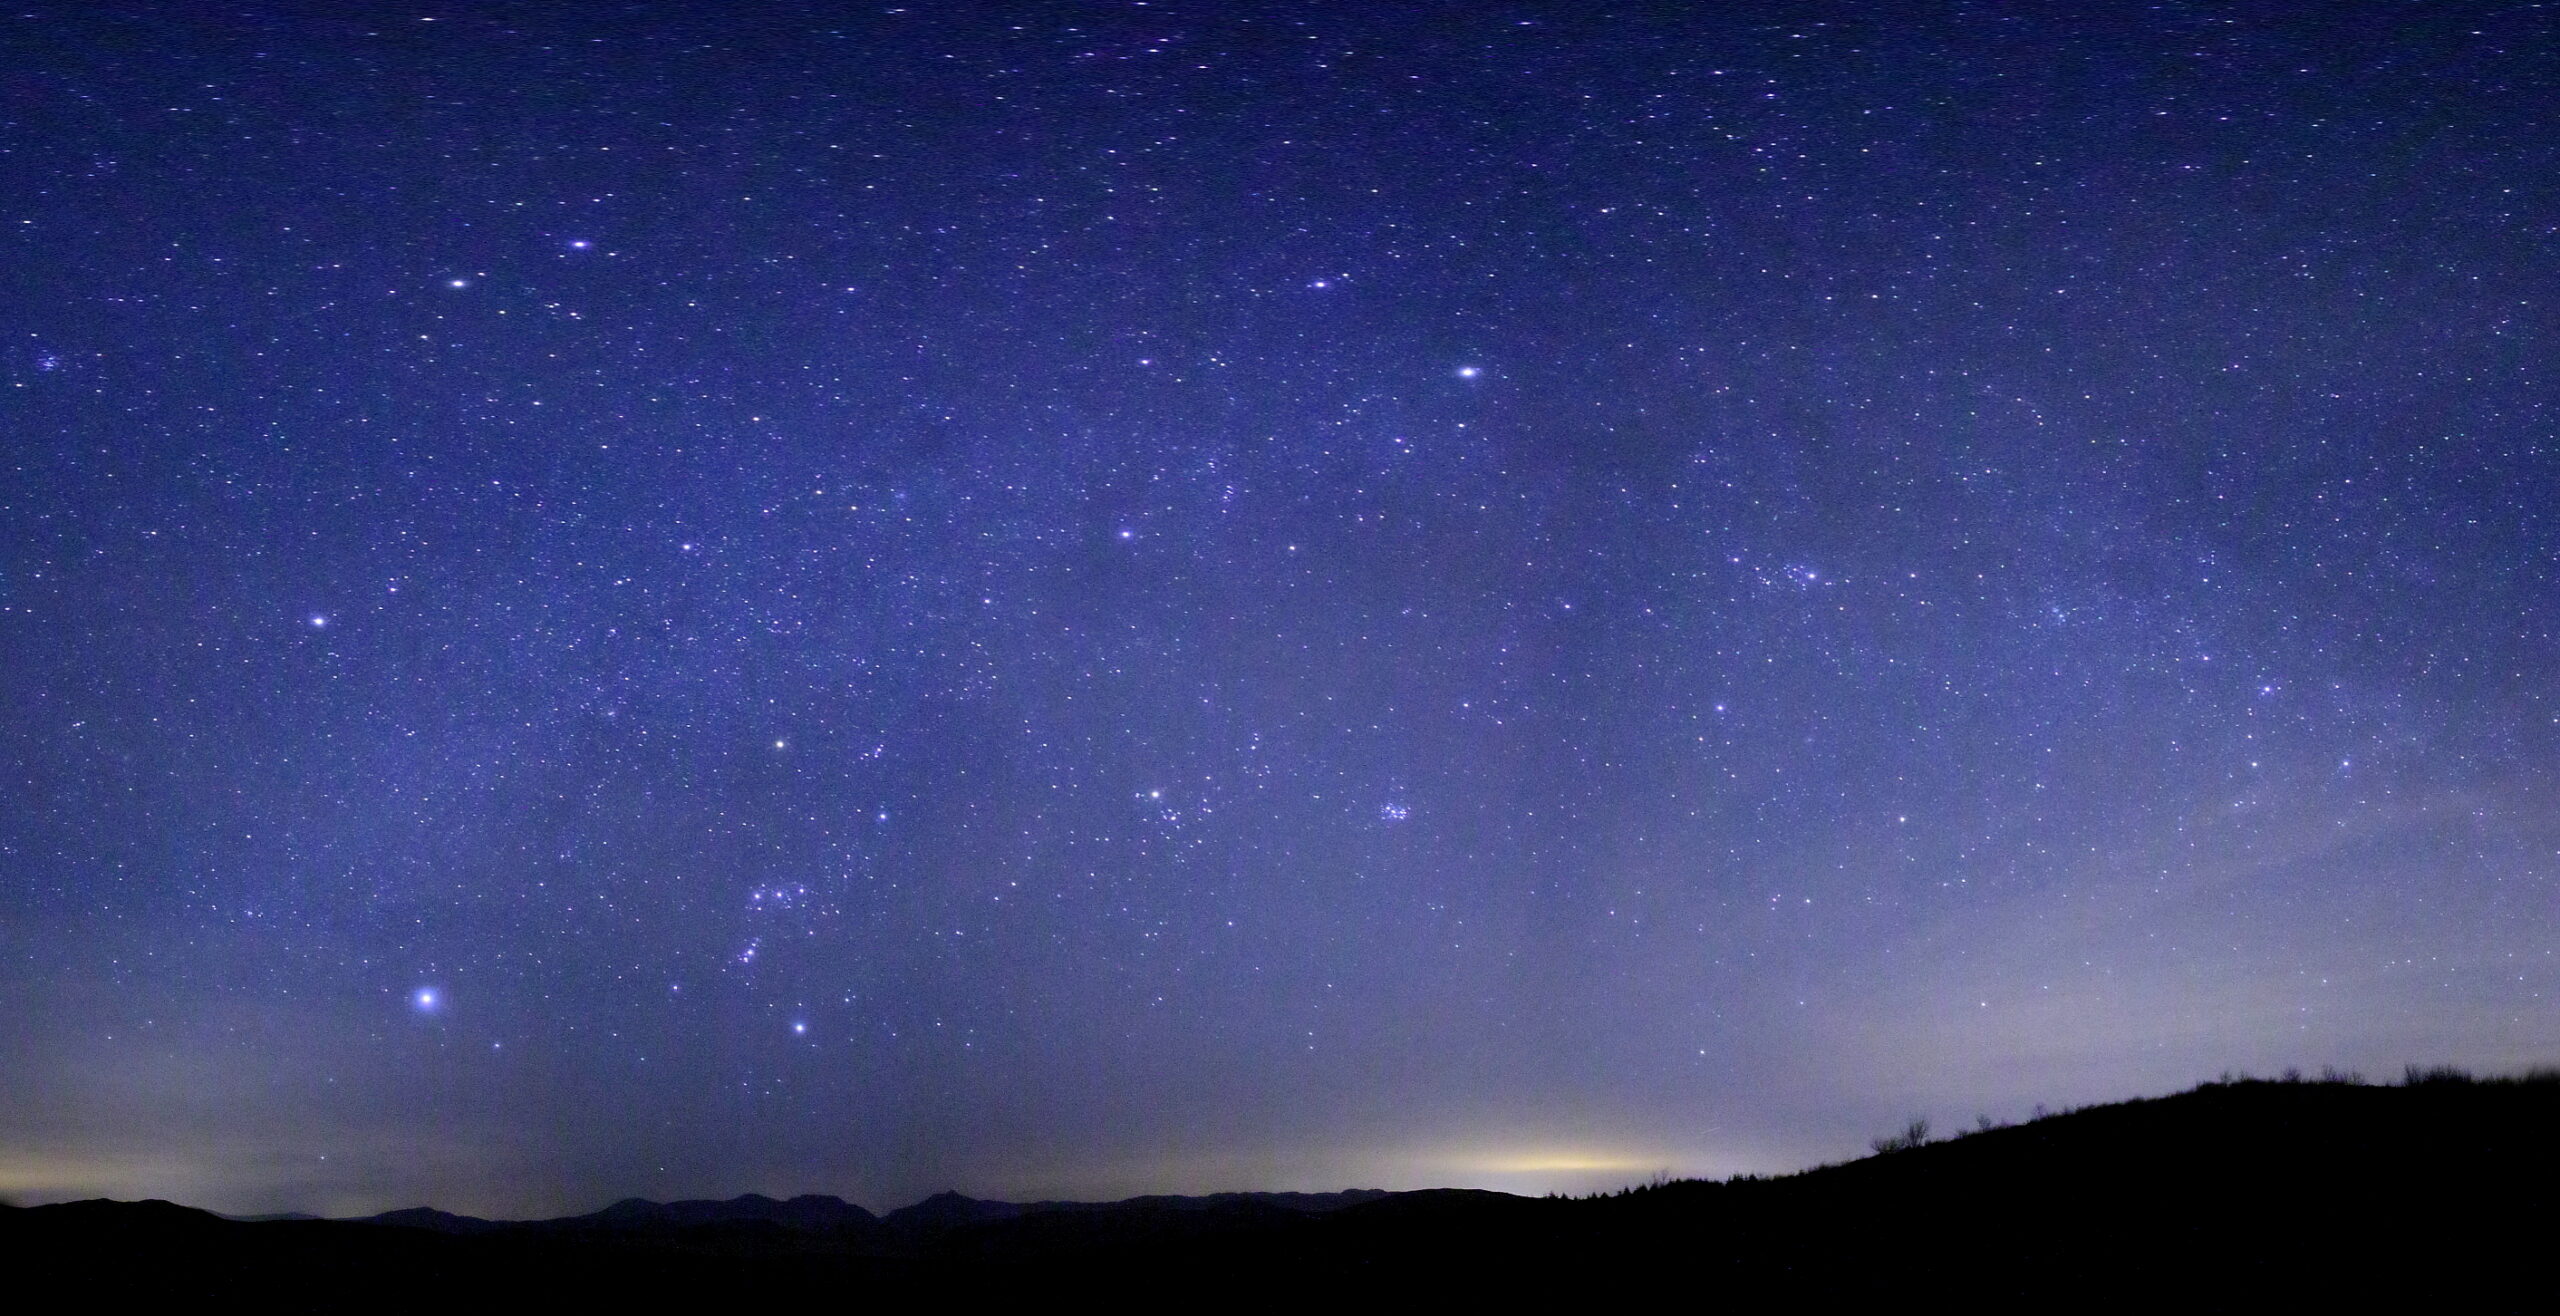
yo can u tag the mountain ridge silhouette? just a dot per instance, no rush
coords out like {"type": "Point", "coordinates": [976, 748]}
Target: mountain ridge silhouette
{"type": "Point", "coordinates": [2438, 1189]}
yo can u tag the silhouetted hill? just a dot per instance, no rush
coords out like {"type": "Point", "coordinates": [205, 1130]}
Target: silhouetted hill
{"type": "Point", "coordinates": [807, 1211]}
{"type": "Point", "coordinates": [2287, 1194]}
{"type": "Point", "coordinates": [1304, 1203]}
{"type": "Point", "coordinates": [945, 1212]}
{"type": "Point", "coordinates": [1428, 1202]}
{"type": "Point", "coordinates": [148, 1215]}
{"type": "Point", "coordinates": [427, 1217]}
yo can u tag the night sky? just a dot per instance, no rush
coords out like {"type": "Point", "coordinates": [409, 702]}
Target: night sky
{"type": "Point", "coordinates": [1079, 599]}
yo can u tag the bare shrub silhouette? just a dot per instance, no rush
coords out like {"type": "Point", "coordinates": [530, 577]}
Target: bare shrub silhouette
{"type": "Point", "coordinates": [1914, 1134]}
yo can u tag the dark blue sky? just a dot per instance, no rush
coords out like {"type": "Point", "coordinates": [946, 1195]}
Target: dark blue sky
{"type": "Point", "coordinates": [1074, 599]}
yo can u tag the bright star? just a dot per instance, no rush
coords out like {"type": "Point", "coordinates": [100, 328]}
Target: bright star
{"type": "Point", "coordinates": [1469, 372]}
{"type": "Point", "coordinates": [424, 998]}
{"type": "Point", "coordinates": [318, 621]}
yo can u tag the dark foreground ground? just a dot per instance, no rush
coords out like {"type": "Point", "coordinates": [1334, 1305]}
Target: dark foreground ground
{"type": "Point", "coordinates": [2267, 1195]}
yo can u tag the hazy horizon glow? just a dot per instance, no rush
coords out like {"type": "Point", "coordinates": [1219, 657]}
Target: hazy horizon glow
{"type": "Point", "coordinates": [1070, 600]}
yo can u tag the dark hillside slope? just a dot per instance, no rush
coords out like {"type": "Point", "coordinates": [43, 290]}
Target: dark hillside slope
{"type": "Point", "coordinates": [2263, 1188]}
{"type": "Point", "coordinates": [2252, 1192]}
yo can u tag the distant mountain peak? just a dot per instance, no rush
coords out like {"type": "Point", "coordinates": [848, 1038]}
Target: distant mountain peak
{"type": "Point", "coordinates": [428, 1217]}
{"type": "Point", "coordinates": [807, 1211]}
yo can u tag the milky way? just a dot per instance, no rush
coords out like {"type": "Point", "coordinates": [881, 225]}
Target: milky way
{"type": "Point", "coordinates": [1076, 599]}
